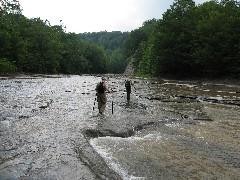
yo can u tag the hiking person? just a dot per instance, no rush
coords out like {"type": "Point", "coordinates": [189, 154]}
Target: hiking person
{"type": "Point", "coordinates": [128, 84]}
{"type": "Point", "coordinates": [101, 89]}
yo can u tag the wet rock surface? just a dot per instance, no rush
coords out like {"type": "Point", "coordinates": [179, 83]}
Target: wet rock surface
{"type": "Point", "coordinates": [50, 129]}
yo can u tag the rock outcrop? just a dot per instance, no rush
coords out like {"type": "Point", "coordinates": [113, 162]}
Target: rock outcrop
{"type": "Point", "coordinates": [129, 69]}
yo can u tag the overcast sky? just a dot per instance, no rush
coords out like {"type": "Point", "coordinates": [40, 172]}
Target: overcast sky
{"type": "Point", "coordinates": [97, 15]}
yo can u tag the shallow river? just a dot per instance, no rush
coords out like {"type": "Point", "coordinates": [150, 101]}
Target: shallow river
{"type": "Point", "coordinates": [50, 129]}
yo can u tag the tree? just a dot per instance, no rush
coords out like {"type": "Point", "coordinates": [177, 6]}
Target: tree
{"type": "Point", "coordinates": [136, 44]}
{"type": "Point", "coordinates": [7, 67]}
{"type": "Point", "coordinates": [174, 39]}
{"type": "Point", "coordinates": [10, 7]}
{"type": "Point", "coordinates": [112, 44]}
{"type": "Point", "coordinates": [216, 38]}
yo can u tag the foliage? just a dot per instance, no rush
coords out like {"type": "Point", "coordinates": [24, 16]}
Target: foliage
{"type": "Point", "coordinates": [6, 67]}
{"type": "Point", "coordinates": [112, 43]}
{"type": "Point", "coordinates": [190, 40]}
{"type": "Point", "coordinates": [137, 44]}
{"type": "Point", "coordinates": [34, 46]}
{"type": "Point", "coordinates": [9, 6]}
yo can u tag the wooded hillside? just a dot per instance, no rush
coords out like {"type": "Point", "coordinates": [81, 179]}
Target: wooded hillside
{"type": "Point", "coordinates": [190, 40]}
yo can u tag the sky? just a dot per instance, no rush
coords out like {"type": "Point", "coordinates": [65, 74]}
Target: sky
{"type": "Point", "coordinates": [81, 16]}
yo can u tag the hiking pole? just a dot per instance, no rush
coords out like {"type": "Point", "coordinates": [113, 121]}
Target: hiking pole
{"type": "Point", "coordinates": [94, 104]}
{"type": "Point", "coordinates": [112, 106]}
{"type": "Point", "coordinates": [112, 103]}
{"type": "Point", "coordinates": [134, 88]}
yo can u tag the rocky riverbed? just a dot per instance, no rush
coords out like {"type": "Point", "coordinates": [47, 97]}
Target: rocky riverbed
{"type": "Point", "coordinates": [50, 129]}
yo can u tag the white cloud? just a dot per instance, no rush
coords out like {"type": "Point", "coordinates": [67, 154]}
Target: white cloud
{"type": "Point", "coordinates": [96, 15]}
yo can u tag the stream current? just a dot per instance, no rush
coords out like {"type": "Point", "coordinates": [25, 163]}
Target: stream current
{"type": "Point", "coordinates": [50, 129]}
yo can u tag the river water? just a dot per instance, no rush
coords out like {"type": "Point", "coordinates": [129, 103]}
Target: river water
{"type": "Point", "coordinates": [50, 129]}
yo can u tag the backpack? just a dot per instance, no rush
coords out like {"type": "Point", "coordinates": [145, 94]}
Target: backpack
{"type": "Point", "coordinates": [101, 88]}
{"type": "Point", "coordinates": [127, 83]}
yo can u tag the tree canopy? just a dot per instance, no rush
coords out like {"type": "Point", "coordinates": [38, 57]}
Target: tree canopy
{"type": "Point", "coordinates": [190, 40]}
{"type": "Point", "coordinates": [112, 43]}
{"type": "Point", "coordinates": [35, 46]}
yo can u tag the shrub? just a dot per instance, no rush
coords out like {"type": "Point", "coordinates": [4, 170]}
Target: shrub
{"type": "Point", "coordinates": [7, 67]}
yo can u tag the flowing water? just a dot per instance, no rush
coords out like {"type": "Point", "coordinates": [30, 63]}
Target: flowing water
{"type": "Point", "coordinates": [50, 129]}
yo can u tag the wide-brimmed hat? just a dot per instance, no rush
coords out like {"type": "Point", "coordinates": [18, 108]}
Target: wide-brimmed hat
{"type": "Point", "coordinates": [103, 78]}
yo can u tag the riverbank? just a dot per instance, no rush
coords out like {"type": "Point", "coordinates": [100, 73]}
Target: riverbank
{"type": "Point", "coordinates": [221, 80]}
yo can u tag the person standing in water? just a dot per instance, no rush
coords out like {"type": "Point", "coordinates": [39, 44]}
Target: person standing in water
{"type": "Point", "coordinates": [101, 89]}
{"type": "Point", "coordinates": [128, 84]}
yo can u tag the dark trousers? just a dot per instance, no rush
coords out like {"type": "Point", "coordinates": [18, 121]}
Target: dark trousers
{"type": "Point", "coordinates": [128, 89]}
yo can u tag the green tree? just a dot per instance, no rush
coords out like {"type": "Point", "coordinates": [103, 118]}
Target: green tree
{"type": "Point", "coordinates": [96, 57]}
{"type": "Point", "coordinates": [216, 48]}
{"type": "Point", "coordinates": [112, 44]}
{"type": "Point", "coordinates": [191, 40]}
{"type": "Point", "coordinates": [10, 7]}
{"type": "Point", "coordinates": [136, 45]}
{"type": "Point", "coordinates": [174, 39]}
{"type": "Point", "coordinates": [6, 67]}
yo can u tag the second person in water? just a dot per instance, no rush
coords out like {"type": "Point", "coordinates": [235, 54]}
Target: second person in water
{"type": "Point", "coordinates": [128, 84]}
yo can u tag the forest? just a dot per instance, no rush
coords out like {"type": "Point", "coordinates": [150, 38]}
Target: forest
{"type": "Point", "coordinates": [190, 40]}
{"type": "Point", "coordinates": [35, 46]}
{"type": "Point", "coordinates": [112, 43]}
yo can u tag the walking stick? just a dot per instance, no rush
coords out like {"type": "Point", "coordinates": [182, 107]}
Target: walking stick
{"type": "Point", "coordinates": [112, 106]}
{"type": "Point", "coordinates": [94, 104]}
{"type": "Point", "coordinates": [112, 103]}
